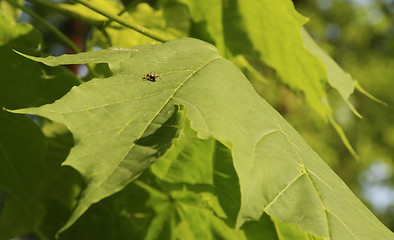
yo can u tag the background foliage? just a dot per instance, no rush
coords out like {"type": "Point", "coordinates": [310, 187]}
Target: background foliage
{"type": "Point", "coordinates": [359, 35]}
{"type": "Point", "coordinates": [335, 24]}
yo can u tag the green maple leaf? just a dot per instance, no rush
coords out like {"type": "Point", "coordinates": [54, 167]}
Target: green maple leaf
{"type": "Point", "coordinates": [123, 123]}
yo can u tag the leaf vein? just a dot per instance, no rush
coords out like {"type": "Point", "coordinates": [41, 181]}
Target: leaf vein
{"type": "Point", "coordinates": [283, 190]}
{"type": "Point", "coordinates": [309, 178]}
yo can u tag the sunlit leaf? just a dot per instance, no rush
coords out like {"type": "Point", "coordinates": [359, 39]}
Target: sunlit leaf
{"type": "Point", "coordinates": [123, 123]}
{"type": "Point", "coordinates": [337, 78]}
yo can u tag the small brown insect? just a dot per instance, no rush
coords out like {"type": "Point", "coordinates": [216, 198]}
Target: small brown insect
{"type": "Point", "coordinates": [151, 77]}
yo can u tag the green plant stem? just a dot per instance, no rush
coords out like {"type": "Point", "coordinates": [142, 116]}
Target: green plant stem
{"type": "Point", "coordinates": [123, 21]}
{"type": "Point", "coordinates": [67, 13]}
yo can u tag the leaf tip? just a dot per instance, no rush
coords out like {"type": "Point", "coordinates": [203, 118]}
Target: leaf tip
{"type": "Point", "coordinates": [21, 111]}
{"type": "Point", "coordinates": [7, 110]}
{"type": "Point", "coordinates": [36, 59]}
{"type": "Point", "coordinates": [22, 54]}
{"type": "Point", "coordinates": [370, 96]}
{"type": "Point", "coordinates": [353, 109]}
{"type": "Point", "coordinates": [343, 137]}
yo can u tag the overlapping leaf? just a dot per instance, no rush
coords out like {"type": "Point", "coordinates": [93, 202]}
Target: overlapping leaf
{"type": "Point", "coordinates": [121, 125]}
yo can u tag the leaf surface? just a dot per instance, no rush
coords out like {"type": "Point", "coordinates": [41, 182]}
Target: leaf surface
{"type": "Point", "coordinates": [123, 123]}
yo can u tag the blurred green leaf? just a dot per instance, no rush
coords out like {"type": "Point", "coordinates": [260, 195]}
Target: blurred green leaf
{"type": "Point", "coordinates": [22, 175]}
{"type": "Point", "coordinates": [262, 229]}
{"type": "Point", "coordinates": [337, 78]}
{"type": "Point", "coordinates": [9, 11]}
{"type": "Point", "coordinates": [141, 211]}
{"type": "Point", "coordinates": [290, 231]}
{"type": "Point", "coordinates": [272, 35]}
{"type": "Point", "coordinates": [21, 35]}
{"type": "Point", "coordinates": [271, 31]}
{"type": "Point", "coordinates": [171, 24]}
{"type": "Point", "coordinates": [25, 83]}
{"type": "Point", "coordinates": [204, 166]}
{"type": "Point", "coordinates": [28, 171]}
{"type": "Point", "coordinates": [208, 23]}
{"type": "Point", "coordinates": [37, 193]}
{"type": "Point", "coordinates": [184, 214]}
{"type": "Point", "coordinates": [63, 184]}
{"type": "Point", "coordinates": [189, 160]}
{"type": "Point", "coordinates": [113, 7]}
